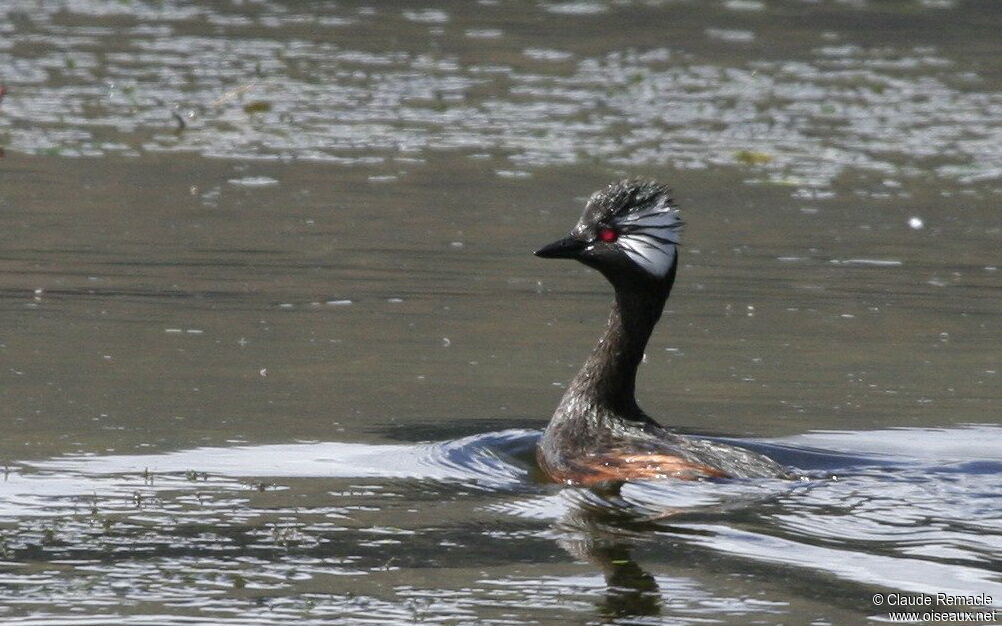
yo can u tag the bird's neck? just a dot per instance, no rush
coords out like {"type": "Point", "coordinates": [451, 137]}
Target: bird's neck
{"type": "Point", "coordinates": [606, 383]}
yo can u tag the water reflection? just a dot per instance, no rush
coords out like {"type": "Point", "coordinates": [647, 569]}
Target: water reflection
{"type": "Point", "coordinates": [631, 591]}
{"type": "Point", "coordinates": [275, 81]}
{"type": "Point", "coordinates": [913, 518]}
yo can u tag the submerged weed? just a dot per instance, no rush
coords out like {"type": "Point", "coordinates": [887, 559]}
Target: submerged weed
{"type": "Point", "coordinates": [752, 157]}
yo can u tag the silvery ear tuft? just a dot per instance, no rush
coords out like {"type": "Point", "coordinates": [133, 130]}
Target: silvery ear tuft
{"type": "Point", "coordinates": [649, 226]}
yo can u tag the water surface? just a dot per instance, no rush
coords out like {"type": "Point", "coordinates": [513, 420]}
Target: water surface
{"type": "Point", "coordinates": [274, 348]}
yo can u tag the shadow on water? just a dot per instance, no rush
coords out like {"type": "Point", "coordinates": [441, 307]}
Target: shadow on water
{"type": "Point", "coordinates": [914, 510]}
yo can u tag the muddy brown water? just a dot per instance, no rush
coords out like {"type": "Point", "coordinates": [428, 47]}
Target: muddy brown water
{"type": "Point", "coordinates": [286, 360]}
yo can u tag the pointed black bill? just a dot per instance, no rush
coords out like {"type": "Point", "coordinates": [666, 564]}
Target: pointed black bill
{"type": "Point", "coordinates": [566, 248]}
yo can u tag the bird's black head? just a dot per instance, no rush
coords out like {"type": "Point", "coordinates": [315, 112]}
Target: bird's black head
{"type": "Point", "coordinates": [630, 229]}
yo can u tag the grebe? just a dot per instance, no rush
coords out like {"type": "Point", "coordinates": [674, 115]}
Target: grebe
{"type": "Point", "coordinates": [630, 233]}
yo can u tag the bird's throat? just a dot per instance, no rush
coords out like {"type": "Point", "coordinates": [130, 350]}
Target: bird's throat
{"type": "Point", "coordinates": [606, 383]}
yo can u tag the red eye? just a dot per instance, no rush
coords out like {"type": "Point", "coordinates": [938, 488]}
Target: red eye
{"type": "Point", "coordinates": [607, 235]}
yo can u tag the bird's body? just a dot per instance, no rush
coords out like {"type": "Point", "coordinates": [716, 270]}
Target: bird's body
{"type": "Point", "coordinates": [630, 233]}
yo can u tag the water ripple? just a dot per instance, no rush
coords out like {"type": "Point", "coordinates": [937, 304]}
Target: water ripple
{"type": "Point", "coordinates": [255, 88]}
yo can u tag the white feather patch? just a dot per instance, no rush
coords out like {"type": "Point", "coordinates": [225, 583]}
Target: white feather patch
{"type": "Point", "coordinates": [653, 256]}
{"type": "Point", "coordinates": [649, 237]}
{"type": "Point", "coordinates": [666, 221]}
